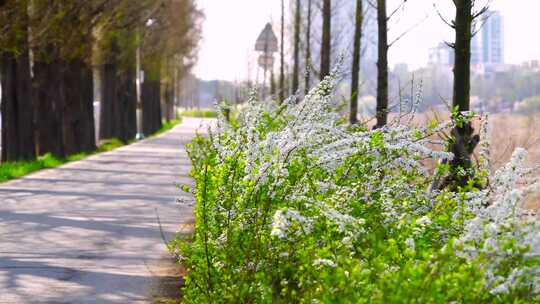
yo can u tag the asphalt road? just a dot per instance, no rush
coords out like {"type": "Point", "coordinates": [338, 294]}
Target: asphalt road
{"type": "Point", "coordinates": [89, 232]}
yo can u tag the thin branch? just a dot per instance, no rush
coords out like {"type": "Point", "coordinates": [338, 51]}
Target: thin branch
{"type": "Point", "coordinates": [407, 31]}
{"type": "Point", "coordinates": [450, 44]}
{"type": "Point", "coordinates": [452, 25]}
{"type": "Point", "coordinates": [482, 10]}
{"type": "Point", "coordinates": [396, 10]}
{"type": "Point", "coordinates": [484, 20]}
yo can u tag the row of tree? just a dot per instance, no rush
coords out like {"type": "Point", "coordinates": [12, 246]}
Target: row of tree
{"type": "Point", "coordinates": [50, 50]}
{"type": "Point", "coordinates": [467, 12]}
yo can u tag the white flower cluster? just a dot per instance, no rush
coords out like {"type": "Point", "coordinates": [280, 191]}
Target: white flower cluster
{"type": "Point", "coordinates": [311, 129]}
{"type": "Point", "coordinates": [283, 221]}
{"type": "Point", "coordinates": [502, 229]}
{"type": "Point", "coordinates": [324, 262]}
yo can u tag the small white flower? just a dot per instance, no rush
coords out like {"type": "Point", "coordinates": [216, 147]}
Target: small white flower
{"type": "Point", "coordinates": [410, 243]}
{"type": "Point", "coordinates": [423, 221]}
{"type": "Point", "coordinates": [324, 262]}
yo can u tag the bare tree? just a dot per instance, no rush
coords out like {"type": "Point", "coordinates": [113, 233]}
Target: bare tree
{"type": "Point", "coordinates": [308, 48]}
{"type": "Point", "coordinates": [382, 65]}
{"type": "Point", "coordinates": [326, 44]}
{"type": "Point", "coordinates": [282, 55]}
{"type": "Point", "coordinates": [382, 62]}
{"type": "Point", "coordinates": [353, 114]}
{"type": "Point", "coordinates": [463, 142]}
{"type": "Point", "coordinates": [297, 20]}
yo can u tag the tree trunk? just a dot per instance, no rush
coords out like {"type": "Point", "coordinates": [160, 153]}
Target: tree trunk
{"type": "Point", "coordinates": [107, 107]}
{"type": "Point", "coordinates": [308, 49]}
{"type": "Point", "coordinates": [118, 111]}
{"type": "Point", "coordinates": [127, 98]}
{"type": "Point", "coordinates": [18, 129]}
{"type": "Point", "coordinates": [326, 38]}
{"type": "Point", "coordinates": [146, 108]}
{"type": "Point", "coordinates": [150, 104]}
{"type": "Point", "coordinates": [282, 55]}
{"type": "Point", "coordinates": [9, 108]}
{"type": "Point", "coordinates": [353, 115]}
{"type": "Point", "coordinates": [382, 65]}
{"type": "Point", "coordinates": [50, 99]}
{"type": "Point", "coordinates": [88, 123]}
{"type": "Point", "coordinates": [297, 19]}
{"type": "Point", "coordinates": [169, 103]}
{"type": "Point", "coordinates": [18, 141]}
{"type": "Point", "coordinates": [463, 143]}
{"type": "Point", "coordinates": [462, 55]}
{"type": "Point", "coordinates": [78, 117]}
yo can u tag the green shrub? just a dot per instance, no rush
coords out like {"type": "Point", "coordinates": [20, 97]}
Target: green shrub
{"type": "Point", "coordinates": [294, 206]}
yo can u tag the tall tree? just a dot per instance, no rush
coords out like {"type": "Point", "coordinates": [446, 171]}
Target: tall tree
{"type": "Point", "coordinates": [121, 39]}
{"type": "Point", "coordinates": [282, 55]}
{"type": "Point", "coordinates": [382, 61]}
{"type": "Point", "coordinates": [463, 142]}
{"type": "Point", "coordinates": [168, 92]}
{"type": "Point", "coordinates": [169, 41]}
{"type": "Point", "coordinates": [326, 44]}
{"type": "Point", "coordinates": [62, 80]}
{"type": "Point", "coordinates": [297, 20]}
{"type": "Point", "coordinates": [355, 81]}
{"type": "Point", "coordinates": [151, 96]}
{"type": "Point", "coordinates": [118, 104]}
{"type": "Point", "coordinates": [307, 75]}
{"type": "Point", "coordinates": [78, 120]}
{"type": "Point", "coordinates": [382, 65]}
{"type": "Point", "coordinates": [18, 142]}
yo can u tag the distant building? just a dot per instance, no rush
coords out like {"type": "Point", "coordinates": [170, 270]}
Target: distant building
{"type": "Point", "coordinates": [401, 69]}
{"type": "Point", "coordinates": [487, 46]}
{"type": "Point", "coordinates": [476, 51]}
{"type": "Point", "coordinates": [442, 54]}
{"type": "Point", "coordinates": [532, 64]}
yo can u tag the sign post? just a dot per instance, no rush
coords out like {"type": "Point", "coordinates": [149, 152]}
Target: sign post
{"type": "Point", "coordinates": [266, 45]}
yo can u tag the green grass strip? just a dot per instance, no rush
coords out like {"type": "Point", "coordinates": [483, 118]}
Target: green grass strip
{"type": "Point", "coordinates": [199, 113]}
{"type": "Point", "coordinates": [13, 170]}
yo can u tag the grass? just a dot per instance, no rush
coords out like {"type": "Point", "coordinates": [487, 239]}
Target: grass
{"type": "Point", "coordinates": [167, 126]}
{"type": "Point", "coordinates": [199, 113]}
{"type": "Point", "coordinates": [13, 170]}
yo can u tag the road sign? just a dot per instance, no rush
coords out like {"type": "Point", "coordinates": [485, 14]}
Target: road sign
{"type": "Point", "coordinates": [267, 41]}
{"type": "Point", "coordinates": [266, 61]}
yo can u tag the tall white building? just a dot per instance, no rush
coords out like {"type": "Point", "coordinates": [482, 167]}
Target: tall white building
{"type": "Point", "coordinates": [442, 54]}
{"type": "Point", "coordinates": [487, 46]}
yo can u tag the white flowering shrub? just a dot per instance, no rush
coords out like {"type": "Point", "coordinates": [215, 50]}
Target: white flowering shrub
{"type": "Point", "coordinates": [295, 206]}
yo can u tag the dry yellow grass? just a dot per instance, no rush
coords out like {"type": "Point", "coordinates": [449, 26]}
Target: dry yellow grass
{"type": "Point", "coordinates": [507, 132]}
{"type": "Point", "coordinates": [512, 131]}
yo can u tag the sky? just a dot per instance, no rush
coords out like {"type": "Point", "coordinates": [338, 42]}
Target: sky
{"type": "Point", "coordinates": [232, 26]}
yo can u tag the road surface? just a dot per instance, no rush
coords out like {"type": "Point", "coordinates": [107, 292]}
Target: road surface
{"type": "Point", "coordinates": [88, 232]}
